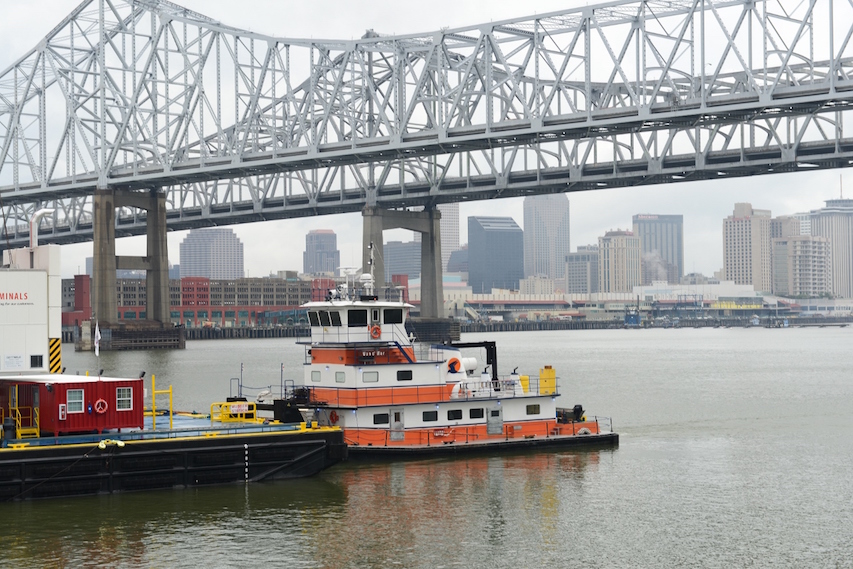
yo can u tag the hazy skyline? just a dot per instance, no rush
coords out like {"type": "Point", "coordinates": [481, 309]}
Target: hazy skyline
{"type": "Point", "coordinates": [278, 245]}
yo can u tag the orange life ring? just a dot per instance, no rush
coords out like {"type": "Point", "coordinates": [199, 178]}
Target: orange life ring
{"type": "Point", "coordinates": [333, 417]}
{"type": "Point", "coordinates": [454, 365]}
{"type": "Point", "coordinates": [375, 332]}
{"type": "Point", "coordinates": [100, 406]}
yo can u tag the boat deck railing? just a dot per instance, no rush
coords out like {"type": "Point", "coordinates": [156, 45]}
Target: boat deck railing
{"type": "Point", "coordinates": [468, 390]}
{"type": "Point", "coordinates": [185, 426]}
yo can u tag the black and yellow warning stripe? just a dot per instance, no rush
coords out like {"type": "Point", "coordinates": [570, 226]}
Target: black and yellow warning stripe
{"type": "Point", "coordinates": [55, 355]}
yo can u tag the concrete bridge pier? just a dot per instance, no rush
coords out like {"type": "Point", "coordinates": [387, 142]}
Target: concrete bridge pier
{"type": "Point", "coordinates": [155, 263]}
{"type": "Point", "coordinates": [427, 223]}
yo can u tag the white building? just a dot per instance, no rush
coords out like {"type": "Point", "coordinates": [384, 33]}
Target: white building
{"type": "Point", "coordinates": [802, 266]}
{"type": "Point", "coordinates": [619, 264]}
{"type": "Point", "coordinates": [835, 222]}
{"type": "Point", "coordinates": [546, 235]}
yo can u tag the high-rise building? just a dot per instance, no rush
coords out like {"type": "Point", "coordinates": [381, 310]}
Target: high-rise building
{"type": "Point", "coordinates": [402, 258]}
{"type": "Point", "coordinates": [321, 256]}
{"type": "Point", "coordinates": [662, 243]}
{"type": "Point", "coordinates": [746, 247]}
{"type": "Point", "coordinates": [495, 254]}
{"type": "Point", "coordinates": [805, 220]}
{"type": "Point", "coordinates": [619, 265]}
{"type": "Point", "coordinates": [546, 235]}
{"type": "Point", "coordinates": [802, 266]}
{"type": "Point", "coordinates": [449, 228]}
{"type": "Point", "coordinates": [835, 222]}
{"type": "Point", "coordinates": [784, 226]}
{"type": "Point", "coordinates": [215, 253]}
{"type": "Point", "coordinates": [582, 270]}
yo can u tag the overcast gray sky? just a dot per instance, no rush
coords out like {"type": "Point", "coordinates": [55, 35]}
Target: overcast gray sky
{"type": "Point", "coordinates": [272, 246]}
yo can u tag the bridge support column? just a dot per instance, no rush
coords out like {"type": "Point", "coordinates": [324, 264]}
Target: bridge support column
{"type": "Point", "coordinates": [104, 300]}
{"type": "Point", "coordinates": [105, 262]}
{"type": "Point", "coordinates": [427, 223]}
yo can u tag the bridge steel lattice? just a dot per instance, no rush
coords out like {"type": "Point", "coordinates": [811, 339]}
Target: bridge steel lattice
{"type": "Point", "coordinates": [235, 126]}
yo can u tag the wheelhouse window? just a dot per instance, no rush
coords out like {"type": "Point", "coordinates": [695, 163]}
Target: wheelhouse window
{"type": "Point", "coordinates": [404, 375]}
{"type": "Point", "coordinates": [454, 414]}
{"type": "Point", "coordinates": [430, 416]}
{"type": "Point", "coordinates": [381, 419]}
{"type": "Point", "coordinates": [370, 377]}
{"type": "Point", "coordinates": [476, 413]}
{"type": "Point", "coordinates": [124, 398]}
{"type": "Point", "coordinates": [336, 317]}
{"type": "Point", "coordinates": [393, 316]}
{"type": "Point", "coordinates": [313, 319]}
{"type": "Point", "coordinates": [340, 377]}
{"type": "Point", "coordinates": [324, 318]}
{"type": "Point", "coordinates": [533, 409]}
{"type": "Point", "coordinates": [357, 318]}
{"type": "Point", "coordinates": [315, 376]}
{"type": "Point", "coordinates": [74, 400]}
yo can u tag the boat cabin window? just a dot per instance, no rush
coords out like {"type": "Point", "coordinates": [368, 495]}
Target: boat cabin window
{"type": "Point", "coordinates": [430, 416]}
{"type": "Point", "coordinates": [381, 419]}
{"type": "Point", "coordinates": [356, 318]}
{"type": "Point", "coordinates": [393, 316]}
{"type": "Point", "coordinates": [533, 409]}
{"type": "Point", "coordinates": [495, 412]}
{"type": "Point", "coordinates": [476, 413]}
{"type": "Point", "coordinates": [324, 318]}
{"type": "Point", "coordinates": [36, 361]}
{"type": "Point", "coordinates": [404, 375]}
{"type": "Point", "coordinates": [340, 377]}
{"type": "Point", "coordinates": [370, 377]}
{"type": "Point", "coordinates": [336, 317]}
{"type": "Point", "coordinates": [454, 414]}
{"type": "Point", "coordinates": [313, 319]}
{"type": "Point", "coordinates": [315, 376]}
{"type": "Point", "coordinates": [124, 398]}
{"type": "Point", "coordinates": [74, 400]}
{"type": "Point", "coordinates": [375, 315]}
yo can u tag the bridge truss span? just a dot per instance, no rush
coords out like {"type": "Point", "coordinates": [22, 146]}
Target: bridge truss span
{"type": "Point", "coordinates": [236, 126]}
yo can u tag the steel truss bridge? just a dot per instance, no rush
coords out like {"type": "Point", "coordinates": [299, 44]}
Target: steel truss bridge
{"type": "Point", "coordinates": [235, 126]}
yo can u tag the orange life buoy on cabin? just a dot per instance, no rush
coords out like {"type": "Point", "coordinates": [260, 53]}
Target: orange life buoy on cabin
{"type": "Point", "coordinates": [375, 332]}
{"type": "Point", "coordinates": [333, 417]}
{"type": "Point", "coordinates": [454, 365]}
{"type": "Point", "coordinates": [100, 406]}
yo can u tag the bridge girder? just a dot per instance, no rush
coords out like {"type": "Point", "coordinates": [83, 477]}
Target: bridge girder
{"type": "Point", "coordinates": [236, 126]}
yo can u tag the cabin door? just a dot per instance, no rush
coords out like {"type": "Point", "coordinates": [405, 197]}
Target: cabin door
{"type": "Point", "coordinates": [398, 427]}
{"type": "Point", "coordinates": [495, 421]}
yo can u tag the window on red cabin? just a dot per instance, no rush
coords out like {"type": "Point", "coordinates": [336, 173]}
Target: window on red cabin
{"type": "Point", "coordinates": [124, 398]}
{"type": "Point", "coordinates": [74, 400]}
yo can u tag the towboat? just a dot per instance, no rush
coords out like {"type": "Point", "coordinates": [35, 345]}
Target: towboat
{"type": "Point", "coordinates": [365, 372]}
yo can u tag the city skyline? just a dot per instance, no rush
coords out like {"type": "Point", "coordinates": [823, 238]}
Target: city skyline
{"type": "Point", "coordinates": [703, 204]}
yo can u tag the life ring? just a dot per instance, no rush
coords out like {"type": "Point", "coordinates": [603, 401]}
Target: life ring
{"type": "Point", "coordinates": [454, 365]}
{"type": "Point", "coordinates": [375, 332]}
{"type": "Point", "coordinates": [333, 417]}
{"type": "Point", "coordinates": [100, 406]}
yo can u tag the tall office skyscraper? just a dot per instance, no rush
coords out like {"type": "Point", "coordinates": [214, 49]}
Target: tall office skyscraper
{"type": "Point", "coordinates": [619, 266]}
{"type": "Point", "coordinates": [402, 258]}
{"type": "Point", "coordinates": [662, 243]}
{"type": "Point", "coordinates": [215, 253]}
{"type": "Point", "coordinates": [495, 254]}
{"type": "Point", "coordinates": [746, 247]}
{"type": "Point", "coordinates": [802, 265]}
{"type": "Point", "coordinates": [321, 256]}
{"type": "Point", "coordinates": [582, 270]}
{"type": "Point", "coordinates": [449, 231]}
{"type": "Point", "coordinates": [835, 222]}
{"type": "Point", "coordinates": [546, 235]}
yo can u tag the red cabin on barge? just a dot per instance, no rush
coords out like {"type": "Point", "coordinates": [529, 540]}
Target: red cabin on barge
{"type": "Point", "coordinates": [55, 404]}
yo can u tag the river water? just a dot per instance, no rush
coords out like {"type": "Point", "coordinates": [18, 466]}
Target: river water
{"type": "Point", "coordinates": [736, 451]}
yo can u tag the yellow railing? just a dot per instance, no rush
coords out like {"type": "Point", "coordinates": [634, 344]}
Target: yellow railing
{"type": "Point", "coordinates": [235, 412]}
{"type": "Point", "coordinates": [154, 394]}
